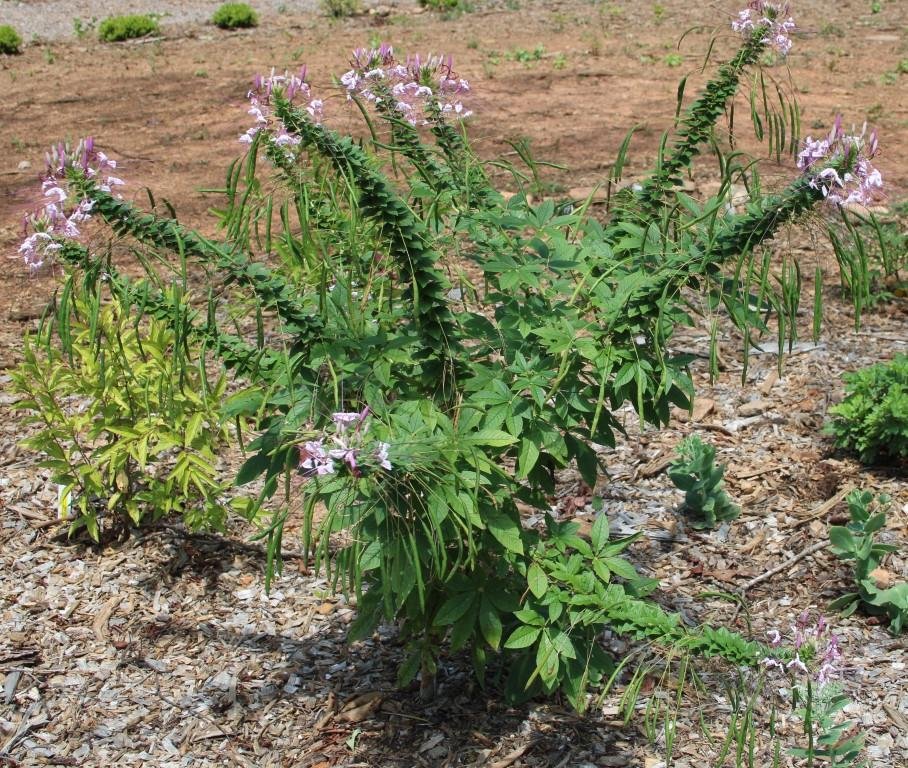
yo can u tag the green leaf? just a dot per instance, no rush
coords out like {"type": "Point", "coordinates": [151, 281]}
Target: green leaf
{"type": "Point", "coordinates": [407, 672]}
{"type": "Point", "coordinates": [602, 571]}
{"type": "Point", "coordinates": [506, 530]}
{"type": "Point", "coordinates": [522, 637]}
{"type": "Point", "coordinates": [537, 581]}
{"type": "Point", "coordinates": [527, 457]}
{"type": "Point", "coordinates": [562, 643]}
{"type": "Point", "coordinates": [620, 567]}
{"type": "Point", "coordinates": [490, 623]}
{"type": "Point", "coordinates": [492, 438]}
{"type": "Point", "coordinates": [842, 540]}
{"type": "Point", "coordinates": [252, 468]}
{"type": "Point", "coordinates": [547, 662]}
{"type": "Point", "coordinates": [600, 533]}
{"type": "Point", "coordinates": [453, 608]}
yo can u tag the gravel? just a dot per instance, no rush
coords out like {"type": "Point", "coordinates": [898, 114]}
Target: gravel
{"type": "Point", "coordinates": [55, 19]}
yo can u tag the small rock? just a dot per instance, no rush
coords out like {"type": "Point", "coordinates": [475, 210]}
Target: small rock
{"type": "Point", "coordinates": [754, 407]}
{"type": "Point", "coordinates": [24, 165]}
{"type": "Point", "coordinates": [325, 609]}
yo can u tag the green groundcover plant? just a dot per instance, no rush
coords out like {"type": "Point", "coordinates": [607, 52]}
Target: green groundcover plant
{"type": "Point", "coordinates": [872, 420]}
{"type": "Point", "coordinates": [235, 16]}
{"type": "Point", "coordinates": [695, 472]}
{"type": "Point", "coordinates": [118, 28]}
{"type": "Point", "coordinates": [420, 356]}
{"type": "Point", "coordinates": [341, 9]}
{"type": "Point", "coordinates": [856, 541]}
{"type": "Point", "coordinates": [10, 42]}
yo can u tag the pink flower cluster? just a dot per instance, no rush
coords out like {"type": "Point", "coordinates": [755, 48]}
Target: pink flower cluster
{"type": "Point", "coordinates": [292, 86]}
{"type": "Point", "coordinates": [840, 166]}
{"type": "Point", "coordinates": [421, 89]}
{"type": "Point", "coordinates": [769, 16]}
{"type": "Point", "coordinates": [57, 219]}
{"type": "Point", "coordinates": [807, 634]}
{"type": "Point", "coordinates": [350, 428]}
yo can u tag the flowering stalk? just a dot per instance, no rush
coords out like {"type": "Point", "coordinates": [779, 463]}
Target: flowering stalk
{"type": "Point", "coordinates": [269, 287]}
{"type": "Point", "coordinates": [60, 219]}
{"type": "Point", "coordinates": [426, 288]}
{"type": "Point", "coordinates": [418, 90]}
{"type": "Point", "coordinates": [233, 352]}
{"type": "Point", "coordinates": [812, 665]}
{"type": "Point", "coordinates": [293, 87]}
{"type": "Point", "coordinates": [421, 91]}
{"type": "Point", "coordinates": [770, 20]}
{"type": "Point", "coordinates": [761, 27]}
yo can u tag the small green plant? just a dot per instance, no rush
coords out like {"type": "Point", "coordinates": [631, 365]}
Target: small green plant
{"type": "Point", "coordinates": [855, 541]}
{"type": "Point", "coordinates": [128, 434]}
{"type": "Point", "coordinates": [117, 28]}
{"type": "Point", "coordinates": [525, 55]}
{"type": "Point", "coordinates": [340, 9]}
{"type": "Point", "coordinates": [695, 472]}
{"type": "Point", "coordinates": [235, 16]}
{"type": "Point", "coordinates": [10, 42]}
{"type": "Point", "coordinates": [872, 420]}
{"type": "Point", "coordinates": [444, 5]}
{"type": "Point", "coordinates": [872, 256]}
{"type": "Point", "coordinates": [673, 60]}
{"type": "Point", "coordinates": [83, 28]}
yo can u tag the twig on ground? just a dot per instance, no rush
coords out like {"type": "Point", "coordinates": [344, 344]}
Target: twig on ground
{"type": "Point", "coordinates": [784, 566]}
{"type": "Point", "coordinates": [511, 757]}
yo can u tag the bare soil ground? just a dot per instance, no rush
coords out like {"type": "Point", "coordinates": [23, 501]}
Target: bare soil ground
{"type": "Point", "coordinates": [164, 650]}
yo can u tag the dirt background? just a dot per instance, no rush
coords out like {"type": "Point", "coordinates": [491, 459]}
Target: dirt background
{"type": "Point", "coordinates": [164, 651]}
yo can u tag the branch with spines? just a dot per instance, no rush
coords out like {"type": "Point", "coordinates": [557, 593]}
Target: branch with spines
{"type": "Point", "coordinates": [699, 121]}
{"type": "Point", "coordinates": [235, 353]}
{"type": "Point", "coordinates": [270, 288]}
{"type": "Point", "coordinates": [407, 236]}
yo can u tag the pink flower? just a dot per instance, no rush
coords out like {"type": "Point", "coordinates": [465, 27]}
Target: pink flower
{"type": "Point", "coordinates": [421, 90]}
{"type": "Point", "coordinates": [381, 455]}
{"type": "Point", "coordinates": [291, 87]}
{"type": "Point", "coordinates": [839, 166]}
{"type": "Point", "coordinates": [56, 221]}
{"type": "Point", "coordinates": [797, 664]}
{"type": "Point", "coordinates": [770, 17]}
{"type": "Point", "coordinates": [313, 458]}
